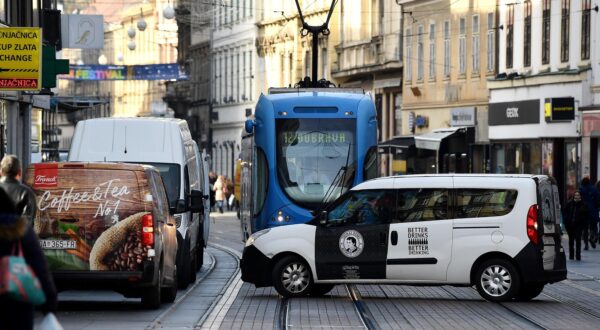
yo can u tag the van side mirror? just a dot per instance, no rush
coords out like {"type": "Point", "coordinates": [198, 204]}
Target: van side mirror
{"type": "Point", "coordinates": [323, 217]}
{"type": "Point", "coordinates": [178, 208]}
{"type": "Point", "coordinates": [196, 199]}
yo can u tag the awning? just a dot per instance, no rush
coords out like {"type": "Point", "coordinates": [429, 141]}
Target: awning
{"type": "Point", "coordinates": [432, 140]}
{"type": "Point", "coordinates": [395, 142]}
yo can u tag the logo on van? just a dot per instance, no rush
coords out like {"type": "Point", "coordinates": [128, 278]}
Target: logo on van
{"type": "Point", "coordinates": [351, 243]}
{"type": "Point", "coordinates": [45, 175]}
{"type": "Point", "coordinates": [418, 241]}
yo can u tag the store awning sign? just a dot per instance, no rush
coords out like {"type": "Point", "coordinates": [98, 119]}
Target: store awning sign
{"type": "Point", "coordinates": [514, 113]}
{"type": "Point", "coordinates": [20, 59]}
{"type": "Point", "coordinates": [559, 109]}
{"type": "Point", "coordinates": [171, 71]}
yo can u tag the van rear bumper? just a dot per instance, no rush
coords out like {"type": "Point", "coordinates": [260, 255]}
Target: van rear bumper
{"type": "Point", "coordinates": [126, 282]}
{"type": "Point", "coordinates": [531, 266]}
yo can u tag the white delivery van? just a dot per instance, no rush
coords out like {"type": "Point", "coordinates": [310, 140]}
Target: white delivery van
{"type": "Point", "coordinates": [165, 143]}
{"type": "Point", "coordinates": [499, 233]}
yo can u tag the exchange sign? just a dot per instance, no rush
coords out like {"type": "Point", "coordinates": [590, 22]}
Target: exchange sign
{"type": "Point", "coordinates": [20, 59]}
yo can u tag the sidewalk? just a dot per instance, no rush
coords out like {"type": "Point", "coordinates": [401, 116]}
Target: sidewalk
{"type": "Point", "coordinates": [588, 267]}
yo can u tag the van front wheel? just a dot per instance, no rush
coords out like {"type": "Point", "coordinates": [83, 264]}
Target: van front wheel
{"type": "Point", "coordinates": [292, 277]}
{"type": "Point", "coordinates": [497, 280]}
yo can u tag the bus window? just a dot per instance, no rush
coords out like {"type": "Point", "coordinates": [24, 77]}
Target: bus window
{"type": "Point", "coordinates": [370, 171]}
{"type": "Point", "coordinates": [261, 178]}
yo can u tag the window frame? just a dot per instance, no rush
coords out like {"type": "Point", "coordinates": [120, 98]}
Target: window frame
{"type": "Point", "coordinates": [586, 6]}
{"type": "Point", "coordinates": [490, 43]}
{"type": "Point", "coordinates": [475, 44]}
{"type": "Point", "coordinates": [260, 204]}
{"type": "Point", "coordinates": [408, 61]}
{"type": "Point", "coordinates": [481, 193]}
{"type": "Point", "coordinates": [420, 52]}
{"type": "Point", "coordinates": [432, 45]}
{"type": "Point", "coordinates": [510, 20]}
{"type": "Point", "coordinates": [462, 46]}
{"type": "Point", "coordinates": [343, 199]}
{"type": "Point", "coordinates": [565, 21]}
{"type": "Point", "coordinates": [546, 21]}
{"type": "Point", "coordinates": [449, 205]}
{"type": "Point", "coordinates": [447, 48]}
{"type": "Point", "coordinates": [527, 34]}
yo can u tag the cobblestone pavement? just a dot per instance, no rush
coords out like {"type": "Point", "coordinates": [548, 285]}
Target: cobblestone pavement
{"type": "Point", "coordinates": [571, 304]}
{"type": "Point", "coordinates": [220, 300]}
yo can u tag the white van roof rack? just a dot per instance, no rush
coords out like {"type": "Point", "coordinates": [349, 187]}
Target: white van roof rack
{"type": "Point", "coordinates": [282, 90]}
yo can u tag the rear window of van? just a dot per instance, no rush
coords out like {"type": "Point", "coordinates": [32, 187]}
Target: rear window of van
{"type": "Point", "coordinates": [481, 203]}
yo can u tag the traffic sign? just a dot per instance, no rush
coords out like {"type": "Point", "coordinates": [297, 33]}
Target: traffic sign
{"type": "Point", "coordinates": [20, 59]}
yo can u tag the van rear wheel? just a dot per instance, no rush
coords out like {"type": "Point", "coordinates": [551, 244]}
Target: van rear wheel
{"type": "Point", "coordinates": [529, 292]}
{"type": "Point", "coordinates": [497, 280]}
{"type": "Point", "coordinates": [292, 277]}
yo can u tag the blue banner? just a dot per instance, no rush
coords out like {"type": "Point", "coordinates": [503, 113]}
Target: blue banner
{"type": "Point", "coordinates": [126, 72]}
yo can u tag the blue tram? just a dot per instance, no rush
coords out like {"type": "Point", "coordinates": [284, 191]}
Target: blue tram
{"type": "Point", "coordinates": [303, 148]}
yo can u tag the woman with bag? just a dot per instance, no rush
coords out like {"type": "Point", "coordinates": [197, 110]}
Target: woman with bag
{"type": "Point", "coordinates": [17, 239]}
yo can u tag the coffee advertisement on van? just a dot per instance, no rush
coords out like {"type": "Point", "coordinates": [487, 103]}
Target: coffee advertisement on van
{"type": "Point", "coordinates": [89, 219]}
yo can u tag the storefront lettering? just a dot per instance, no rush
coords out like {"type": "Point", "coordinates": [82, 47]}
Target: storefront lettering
{"type": "Point", "coordinates": [512, 112]}
{"type": "Point", "coordinates": [100, 194]}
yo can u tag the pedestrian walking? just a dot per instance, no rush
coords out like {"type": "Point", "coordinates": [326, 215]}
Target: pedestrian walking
{"type": "Point", "coordinates": [575, 215]}
{"type": "Point", "coordinates": [15, 230]}
{"type": "Point", "coordinates": [212, 178]}
{"type": "Point", "coordinates": [219, 194]}
{"type": "Point", "coordinates": [591, 197]}
{"type": "Point", "coordinates": [21, 195]}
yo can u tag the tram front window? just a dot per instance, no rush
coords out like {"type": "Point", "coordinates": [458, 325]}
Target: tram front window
{"type": "Point", "coordinates": [310, 154]}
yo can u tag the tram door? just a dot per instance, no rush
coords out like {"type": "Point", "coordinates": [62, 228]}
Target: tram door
{"type": "Point", "coordinates": [246, 186]}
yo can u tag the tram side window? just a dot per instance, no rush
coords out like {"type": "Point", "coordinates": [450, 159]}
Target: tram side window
{"type": "Point", "coordinates": [481, 203]}
{"type": "Point", "coordinates": [363, 207]}
{"type": "Point", "coordinates": [261, 178]}
{"type": "Point", "coordinates": [370, 170]}
{"type": "Point", "coordinates": [421, 205]}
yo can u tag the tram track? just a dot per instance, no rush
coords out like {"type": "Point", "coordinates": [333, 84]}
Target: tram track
{"type": "Point", "coordinates": [159, 320]}
{"type": "Point", "coordinates": [505, 306]}
{"type": "Point", "coordinates": [361, 308]}
{"type": "Point", "coordinates": [162, 316]}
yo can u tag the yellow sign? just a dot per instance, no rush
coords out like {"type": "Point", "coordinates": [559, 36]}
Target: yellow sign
{"type": "Point", "coordinates": [20, 59]}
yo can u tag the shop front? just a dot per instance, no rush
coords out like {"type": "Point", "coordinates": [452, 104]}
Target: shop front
{"type": "Point", "coordinates": [536, 136]}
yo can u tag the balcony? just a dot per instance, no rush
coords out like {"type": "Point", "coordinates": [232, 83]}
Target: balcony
{"type": "Point", "coordinates": [365, 57]}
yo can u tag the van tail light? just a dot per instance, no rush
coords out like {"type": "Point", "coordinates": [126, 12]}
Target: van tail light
{"type": "Point", "coordinates": [532, 224]}
{"type": "Point", "coordinates": [147, 230]}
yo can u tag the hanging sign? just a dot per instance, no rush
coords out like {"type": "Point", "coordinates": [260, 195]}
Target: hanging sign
{"type": "Point", "coordinates": [20, 59]}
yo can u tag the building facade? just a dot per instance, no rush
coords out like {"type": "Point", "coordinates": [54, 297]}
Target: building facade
{"type": "Point", "coordinates": [449, 54]}
{"type": "Point", "coordinates": [234, 88]}
{"type": "Point", "coordinates": [547, 59]}
{"type": "Point", "coordinates": [369, 56]}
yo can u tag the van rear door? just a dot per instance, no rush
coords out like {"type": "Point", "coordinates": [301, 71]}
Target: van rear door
{"type": "Point", "coordinates": [89, 217]}
{"type": "Point", "coordinates": [549, 220]}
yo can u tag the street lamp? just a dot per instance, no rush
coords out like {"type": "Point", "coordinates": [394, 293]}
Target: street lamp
{"type": "Point", "coordinates": [141, 24]}
{"type": "Point", "coordinates": [169, 12]}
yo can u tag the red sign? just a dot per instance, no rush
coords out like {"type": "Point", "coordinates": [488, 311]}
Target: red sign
{"type": "Point", "coordinates": [45, 175]}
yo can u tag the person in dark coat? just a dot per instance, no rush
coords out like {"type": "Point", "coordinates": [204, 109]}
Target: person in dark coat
{"type": "Point", "coordinates": [591, 197]}
{"type": "Point", "coordinates": [10, 180]}
{"type": "Point", "coordinates": [14, 228]}
{"type": "Point", "coordinates": [575, 215]}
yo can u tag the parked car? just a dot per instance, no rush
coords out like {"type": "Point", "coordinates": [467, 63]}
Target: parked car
{"type": "Point", "coordinates": [106, 226]}
{"type": "Point", "coordinates": [500, 233]}
{"type": "Point", "coordinates": [165, 143]}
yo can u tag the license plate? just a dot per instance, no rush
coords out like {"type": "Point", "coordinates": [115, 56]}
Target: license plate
{"type": "Point", "coordinates": [58, 244]}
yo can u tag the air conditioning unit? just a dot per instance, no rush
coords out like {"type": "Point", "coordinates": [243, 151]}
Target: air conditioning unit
{"type": "Point", "coordinates": [231, 99]}
{"type": "Point", "coordinates": [225, 99]}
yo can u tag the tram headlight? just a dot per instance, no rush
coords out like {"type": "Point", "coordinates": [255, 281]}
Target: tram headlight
{"type": "Point", "coordinates": [256, 235]}
{"type": "Point", "coordinates": [281, 217]}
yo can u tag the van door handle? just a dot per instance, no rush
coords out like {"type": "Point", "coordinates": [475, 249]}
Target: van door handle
{"type": "Point", "coordinates": [383, 238]}
{"type": "Point", "coordinates": [394, 237]}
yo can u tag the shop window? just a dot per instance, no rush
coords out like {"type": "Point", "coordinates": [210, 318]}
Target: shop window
{"type": "Point", "coordinates": [414, 205]}
{"type": "Point", "coordinates": [481, 203]}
